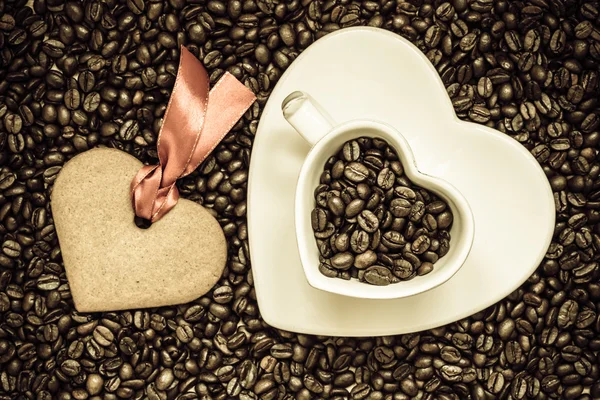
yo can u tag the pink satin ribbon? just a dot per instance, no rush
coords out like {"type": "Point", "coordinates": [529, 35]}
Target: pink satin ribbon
{"type": "Point", "coordinates": [194, 123]}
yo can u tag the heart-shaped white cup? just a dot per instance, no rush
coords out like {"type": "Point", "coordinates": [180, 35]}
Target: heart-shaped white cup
{"type": "Point", "coordinates": [326, 139]}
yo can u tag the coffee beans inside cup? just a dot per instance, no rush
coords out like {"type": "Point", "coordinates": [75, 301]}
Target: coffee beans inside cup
{"type": "Point", "coordinates": [371, 222]}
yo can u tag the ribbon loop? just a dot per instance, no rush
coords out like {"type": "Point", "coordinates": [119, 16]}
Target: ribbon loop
{"type": "Point", "coordinates": [195, 121]}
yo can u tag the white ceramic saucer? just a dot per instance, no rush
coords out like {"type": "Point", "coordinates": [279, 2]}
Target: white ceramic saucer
{"type": "Point", "coordinates": [372, 73]}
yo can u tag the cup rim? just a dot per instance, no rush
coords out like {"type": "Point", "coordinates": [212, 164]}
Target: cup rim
{"type": "Point", "coordinates": [401, 145]}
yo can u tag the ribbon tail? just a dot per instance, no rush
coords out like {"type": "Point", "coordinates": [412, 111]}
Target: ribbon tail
{"type": "Point", "coordinates": [195, 121]}
{"type": "Point", "coordinates": [227, 102]}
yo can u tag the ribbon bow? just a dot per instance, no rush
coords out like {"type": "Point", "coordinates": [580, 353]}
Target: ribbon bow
{"type": "Point", "coordinates": [195, 121]}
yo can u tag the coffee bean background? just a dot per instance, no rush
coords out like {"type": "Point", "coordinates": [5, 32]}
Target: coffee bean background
{"type": "Point", "coordinates": [77, 75]}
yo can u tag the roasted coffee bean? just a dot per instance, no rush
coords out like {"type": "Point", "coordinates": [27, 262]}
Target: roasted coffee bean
{"type": "Point", "coordinates": [405, 193]}
{"type": "Point", "coordinates": [72, 99]}
{"type": "Point", "coordinates": [319, 219]}
{"type": "Point", "coordinates": [336, 206]}
{"type": "Point", "coordinates": [48, 282]}
{"type": "Point", "coordinates": [342, 261]}
{"type": "Point", "coordinates": [425, 268]}
{"type": "Point", "coordinates": [129, 130]}
{"type": "Point", "coordinates": [94, 384]}
{"type": "Point", "coordinates": [365, 259]}
{"type": "Point", "coordinates": [354, 208]}
{"type": "Point", "coordinates": [451, 373]}
{"type": "Point", "coordinates": [359, 241]}
{"type": "Point", "coordinates": [444, 220]}
{"type": "Point", "coordinates": [7, 22]}
{"type": "Point", "coordinates": [351, 150]}
{"type": "Point", "coordinates": [53, 48]}
{"type": "Point", "coordinates": [378, 275]}
{"type": "Point", "coordinates": [70, 367]}
{"type": "Point", "coordinates": [393, 240]}
{"type": "Point", "coordinates": [550, 383]}
{"type": "Point", "coordinates": [91, 102]}
{"type": "Point", "coordinates": [567, 315]}
{"type": "Point", "coordinates": [368, 221]}
{"type": "Point", "coordinates": [342, 242]}
{"type": "Point", "coordinates": [400, 207]}
{"type": "Point", "coordinates": [356, 172]}
{"type": "Point", "coordinates": [495, 383]}
{"type": "Point", "coordinates": [103, 336]}
{"type": "Point", "coordinates": [386, 179]}
{"type": "Point", "coordinates": [421, 244]}
{"type": "Point", "coordinates": [11, 248]}
{"type": "Point", "coordinates": [403, 269]}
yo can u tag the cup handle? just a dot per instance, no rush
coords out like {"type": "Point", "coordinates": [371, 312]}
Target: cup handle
{"type": "Point", "coordinates": [306, 116]}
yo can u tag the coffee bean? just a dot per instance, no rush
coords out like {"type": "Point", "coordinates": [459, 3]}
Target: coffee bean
{"type": "Point", "coordinates": [403, 269]}
{"type": "Point", "coordinates": [365, 259]}
{"type": "Point", "coordinates": [400, 207]}
{"type": "Point", "coordinates": [368, 221]}
{"type": "Point", "coordinates": [359, 241]}
{"type": "Point", "coordinates": [393, 240]}
{"type": "Point", "coordinates": [129, 130]}
{"type": "Point", "coordinates": [342, 242]}
{"type": "Point", "coordinates": [53, 48]}
{"type": "Point", "coordinates": [378, 275]}
{"type": "Point", "coordinates": [354, 208]}
{"type": "Point", "coordinates": [11, 248]}
{"type": "Point", "coordinates": [72, 99]}
{"type": "Point", "coordinates": [336, 205]}
{"type": "Point", "coordinates": [386, 179]}
{"type": "Point", "coordinates": [356, 172]}
{"type": "Point", "coordinates": [420, 244]}
{"type": "Point", "coordinates": [405, 193]}
{"type": "Point", "coordinates": [312, 384]}
{"type": "Point", "coordinates": [318, 219]}
{"type": "Point", "coordinates": [94, 384]}
{"type": "Point", "coordinates": [342, 261]}
{"type": "Point", "coordinates": [444, 220]}
{"type": "Point", "coordinates": [495, 383]}
{"type": "Point", "coordinates": [164, 379]}
{"type": "Point", "coordinates": [7, 22]}
{"type": "Point", "coordinates": [223, 295]}
{"type": "Point", "coordinates": [451, 373]}
{"type": "Point", "coordinates": [91, 102]}
{"type": "Point", "coordinates": [351, 151]}
{"type": "Point", "coordinates": [479, 114]}
{"type": "Point", "coordinates": [485, 87]}
{"type": "Point", "coordinates": [567, 315]}
{"type": "Point", "coordinates": [425, 268]}
{"type": "Point", "coordinates": [103, 336]}
{"type": "Point", "coordinates": [70, 367]}
{"type": "Point", "coordinates": [48, 282]}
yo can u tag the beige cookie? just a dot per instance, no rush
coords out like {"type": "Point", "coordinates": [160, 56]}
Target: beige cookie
{"type": "Point", "coordinates": [112, 264]}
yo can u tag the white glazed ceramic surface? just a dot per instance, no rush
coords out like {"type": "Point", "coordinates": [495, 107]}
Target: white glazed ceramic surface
{"type": "Point", "coordinates": [461, 232]}
{"type": "Point", "coordinates": [375, 74]}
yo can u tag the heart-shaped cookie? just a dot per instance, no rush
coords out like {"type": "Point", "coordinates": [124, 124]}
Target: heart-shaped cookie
{"type": "Point", "coordinates": [111, 264]}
